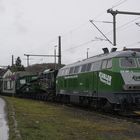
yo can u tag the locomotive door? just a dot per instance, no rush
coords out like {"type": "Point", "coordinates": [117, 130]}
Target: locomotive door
{"type": "Point", "coordinates": [96, 83]}
{"type": "Point", "coordinates": [96, 66]}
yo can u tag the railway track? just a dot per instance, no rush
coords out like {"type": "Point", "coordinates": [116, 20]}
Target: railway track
{"type": "Point", "coordinates": [127, 116]}
{"type": "Point", "coordinates": [133, 117]}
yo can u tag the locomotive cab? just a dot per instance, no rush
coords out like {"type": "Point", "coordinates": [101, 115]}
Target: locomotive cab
{"type": "Point", "coordinates": [126, 79]}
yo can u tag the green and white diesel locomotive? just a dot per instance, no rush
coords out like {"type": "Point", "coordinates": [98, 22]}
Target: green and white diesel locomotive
{"type": "Point", "coordinates": [107, 80]}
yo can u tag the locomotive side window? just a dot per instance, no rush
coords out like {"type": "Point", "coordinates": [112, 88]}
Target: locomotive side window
{"type": "Point", "coordinates": [109, 64]}
{"type": "Point", "coordinates": [63, 72]}
{"type": "Point", "coordinates": [60, 73]}
{"type": "Point", "coordinates": [66, 71]}
{"type": "Point", "coordinates": [96, 66]}
{"type": "Point", "coordinates": [76, 70]}
{"type": "Point", "coordinates": [71, 70]}
{"type": "Point", "coordinates": [88, 67]}
{"type": "Point", "coordinates": [84, 68]}
{"type": "Point", "coordinates": [127, 62]}
{"type": "Point", "coordinates": [104, 64]}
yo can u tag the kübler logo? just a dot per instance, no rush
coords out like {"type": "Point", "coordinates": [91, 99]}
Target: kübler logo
{"type": "Point", "coordinates": [105, 78]}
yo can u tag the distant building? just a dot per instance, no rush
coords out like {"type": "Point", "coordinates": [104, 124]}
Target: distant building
{"type": "Point", "coordinates": [2, 72]}
{"type": "Point", "coordinates": [10, 78]}
{"type": "Point", "coordinates": [8, 82]}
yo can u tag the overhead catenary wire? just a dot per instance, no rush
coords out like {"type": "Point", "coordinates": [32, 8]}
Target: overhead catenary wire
{"type": "Point", "coordinates": [126, 26]}
{"type": "Point", "coordinates": [101, 32]}
{"type": "Point", "coordinates": [77, 46]}
{"type": "Point", "coordinates": [120, 2]}
{"type": "Point", "coordinates": [115, 5]}
{"type": "Point", "coordinates": [123, 25]}
{"type": "Point", "coordinates": [75, 29]}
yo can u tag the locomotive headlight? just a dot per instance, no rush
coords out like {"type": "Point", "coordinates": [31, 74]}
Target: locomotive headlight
{"type": "Point", "coordinates": [136, 78]}
{"type": "Point", "coordinates": [127, 87]}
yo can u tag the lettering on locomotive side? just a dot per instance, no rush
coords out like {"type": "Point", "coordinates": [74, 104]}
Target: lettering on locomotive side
{"type": "Point", "coordinates": [71, 77]}
{"type": "Point", "coordinates": [105, 78]}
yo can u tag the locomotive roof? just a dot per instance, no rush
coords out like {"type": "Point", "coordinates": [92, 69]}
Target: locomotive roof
{"type": "Point", "coordinates": [105, 56]}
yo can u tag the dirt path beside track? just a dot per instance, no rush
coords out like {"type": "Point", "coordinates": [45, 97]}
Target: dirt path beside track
{"type": "Point", "coordinates": [3, 121]}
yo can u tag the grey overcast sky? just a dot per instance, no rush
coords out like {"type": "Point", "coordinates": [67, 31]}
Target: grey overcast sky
{"type": "Point", "coordinates": [33, 27]}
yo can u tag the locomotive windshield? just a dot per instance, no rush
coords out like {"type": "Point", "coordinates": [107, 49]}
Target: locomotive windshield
{"type": "Point", "coordinates": [128, 62]}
